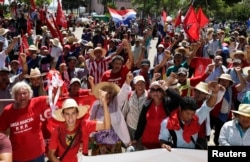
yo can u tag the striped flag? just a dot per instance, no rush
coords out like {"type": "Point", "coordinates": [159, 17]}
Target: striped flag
{"type": "Point", "coordinates": [122, 16]}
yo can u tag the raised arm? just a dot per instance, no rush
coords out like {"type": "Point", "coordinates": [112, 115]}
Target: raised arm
{"type": "Point", "coordinates": [24, 66]}
{"type": "Point", "coordinates": [106, 124]}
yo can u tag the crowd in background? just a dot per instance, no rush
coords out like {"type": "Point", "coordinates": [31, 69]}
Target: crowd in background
{"type": "Point", "coordinates": [191, 88]}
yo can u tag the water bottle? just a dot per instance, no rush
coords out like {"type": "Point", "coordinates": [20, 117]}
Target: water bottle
{"type": "Point", "coordinates": [130, 149]}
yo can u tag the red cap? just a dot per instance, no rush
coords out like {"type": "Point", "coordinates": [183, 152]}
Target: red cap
{"type": "Point", "coordinates": [44, 48]}
{"type": "Point", "coordinates": [67, 46]}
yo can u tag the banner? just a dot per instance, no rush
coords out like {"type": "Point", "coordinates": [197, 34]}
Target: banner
{"type": "Point", "coordinates": [154, 155]}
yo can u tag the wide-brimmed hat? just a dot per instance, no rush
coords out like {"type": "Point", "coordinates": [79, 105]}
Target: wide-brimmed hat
{"type": "Point", "coordinates": [100, 49]}
{"type": "Point", "coordinates": [3, 31]}
{"type": "Point", "coordinates": [44, 28]}
{"type": "Point", "coordinates": [32, 48]}
{"type": "Point", "coordinates": [34, 73]}
{"type": "Point", "coordinates": [238, 52]}
{"type": "Point", "coordinates": [103, 85]}
{"type": "Point", "coordinates": [69, 103]}
{"type": "Point", "coordinates": [184, 43]}
{"type": "Point", "coordinates": [89, 44]}
{"type": "Point", "coordinates": [244, 110]}
{"type": "Point", "coordinates": [203, 87]}
{"type": "Point", "coordinates": [55, 42]}
{"type": "Point", "coordinates": [14, 61]}
{"type": "Point", "coordinates": [145, 62]}
{"type": "Point", "coordinates": [226, 77]}
{"type": "Point", "coordinates": [184, 51]}
{"type": "Point", "coordinates": [245, 70]}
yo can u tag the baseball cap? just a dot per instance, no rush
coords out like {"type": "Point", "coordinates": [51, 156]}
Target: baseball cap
{"type": "Point", "coordinates": [182, 70]}
{"type": "Point", "coordinates": [138, 78]}
{"type": "Point", "coordinates": [145, 62]}
{"type": "Point", "coordinates": [73, 80]}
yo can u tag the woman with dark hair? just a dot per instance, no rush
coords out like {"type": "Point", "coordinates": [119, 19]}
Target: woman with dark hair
{"type": "Point", "coordinates": [162, 100]}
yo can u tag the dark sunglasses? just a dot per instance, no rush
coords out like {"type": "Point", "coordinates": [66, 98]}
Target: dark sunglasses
{"type": "Point", "coordinates": [155, 90]}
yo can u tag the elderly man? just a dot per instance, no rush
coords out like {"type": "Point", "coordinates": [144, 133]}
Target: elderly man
{"type": "Point", "coordinates": [22, 119]}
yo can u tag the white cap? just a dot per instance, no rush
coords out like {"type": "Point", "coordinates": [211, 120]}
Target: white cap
{"type": "Point", "coordinates": [73, 80]}
{"type": "Point", "coordinates": [138, 78]}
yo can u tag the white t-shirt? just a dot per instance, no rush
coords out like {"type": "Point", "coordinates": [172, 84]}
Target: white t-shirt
{"type": "Point", "coordinates": [56, 52]}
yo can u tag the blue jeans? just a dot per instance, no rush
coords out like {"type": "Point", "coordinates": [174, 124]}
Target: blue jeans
{"type": "Point", "coordinates": [38, 159]}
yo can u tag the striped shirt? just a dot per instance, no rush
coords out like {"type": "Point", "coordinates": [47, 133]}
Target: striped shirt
{"type": "Point", "coordinates": [97, 68]}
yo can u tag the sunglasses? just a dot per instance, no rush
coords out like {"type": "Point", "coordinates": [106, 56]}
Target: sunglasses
{"type": "Point", "coordinates": [155, 90]}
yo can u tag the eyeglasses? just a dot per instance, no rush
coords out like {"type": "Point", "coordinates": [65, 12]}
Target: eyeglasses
{"type": "Point", "coordinates": [155, 90]}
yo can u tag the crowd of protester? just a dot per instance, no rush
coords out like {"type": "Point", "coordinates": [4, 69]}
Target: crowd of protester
{"type": "Point", "coordinates": [100, 92]}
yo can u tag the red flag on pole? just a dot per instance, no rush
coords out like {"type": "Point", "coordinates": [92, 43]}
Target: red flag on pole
{"type": "Point", "coordinates": [33, 5]}
{"type": "Point", "coordinates": [201, 18]}
{"type": "Point", "coordinates": [163, 17]}
{"type": "Point", "coordinates": [60, 17]}
{"type": "Point", "coordinates": [191, 25]}
{"type": "Point", "coordinates": [178, 19]}
{"type": "Point", "coordinates": [29, 26]}
{"type": "Point", "coordinates": [57, 30]}
{"type": "Point", "coordinates": [51, 28]}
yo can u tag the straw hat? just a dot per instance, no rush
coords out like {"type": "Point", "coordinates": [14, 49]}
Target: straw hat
{"type": "Point", "coordinates": [100, 49]}
{"type": "Point", "coordinates": [34, 73]}
{"type": "Point", "coordinates": [32, 48]}
{"type": "Point", "coordinates": [89, 44]}
{"type": "Point", "coordinates": [44, 28]}
{"type": "Point", "coordinates": [103, 85]}
{"type": "Point", "coordinates": [245, 70]}
{"type": "Point", "coordinates": [244, 110]}
{"type": "Point", "coordinates": [203, 87]}
{"type": "Point", "coordinates": [69, 103]}
{"type": "Point", "coordinates": [238, 52]}
{"type": "Point", "coordinates": [184, 51]}
{"type": "Point", "coordinates": [3, 31]}
{"type": "Point", "coordinates": [55, 42]}
{"type": "Point", "coordinates": [226, 77]}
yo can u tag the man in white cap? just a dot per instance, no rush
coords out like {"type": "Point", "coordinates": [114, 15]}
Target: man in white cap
{"type": "Point", "coordinates": [236, 132]}
{"type": "Point", "coordinates": [134, 104]}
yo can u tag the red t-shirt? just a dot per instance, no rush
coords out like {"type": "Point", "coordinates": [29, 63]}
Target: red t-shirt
{"type": "Point", "coordinates": [25, 131]}
{"type": "Point", "coordinates": [154, 117]}
{"type": "Point", "coordinates": [59, 140]}
{"type": "Point", "coordinates": [117, 78]}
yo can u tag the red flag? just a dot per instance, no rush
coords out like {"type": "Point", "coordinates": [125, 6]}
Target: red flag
{"type": "Point", "coordinates": [60, 17]}
{"type": "Point", "coordinates": [29, 26]}
{"type": "Point", "coordinates": [42, 15]}
{"type": "Point", "coordinates": [163, 17]}
{"type": "Point", "coordinates": [57, 30]}
{"type": "Point", "coordinates": [51, 28]}
{"type": "Point", "coordinates": [33, 5]}
{"type": "Point", "coordinates": [200, 64]}
{"type": "Point", "coordinates": [201, 18]}
{"type": "Point", "coordinates": [191, 25]}
{"type": "Point", "coordinates": [24, 45]}
{"type": "Point", "coordinates": [178, 19]}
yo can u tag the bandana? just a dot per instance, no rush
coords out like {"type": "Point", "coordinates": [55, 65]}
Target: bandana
{"type": "Point", "coordinates": [188, 129]}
